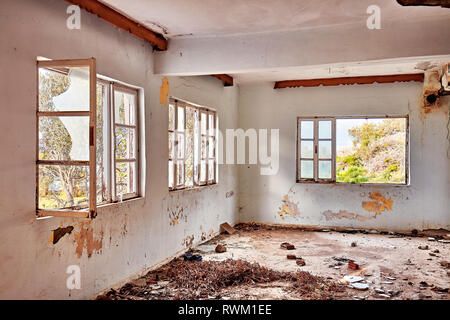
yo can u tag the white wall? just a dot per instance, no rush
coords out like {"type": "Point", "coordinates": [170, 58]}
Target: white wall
{"type": "Point", "coordinates": [423, 204]}
{"type": "Point", "coordinates": [133, 235]}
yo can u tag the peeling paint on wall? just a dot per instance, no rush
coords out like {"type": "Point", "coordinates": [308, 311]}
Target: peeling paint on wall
{"type": "Point", "coordinates": [380, 204]}
{"type": "Point", "coordinates": [343, 214]}
{"type": "Point", "coordinates": [85, 239]}
{"type": "Point", "coordinates": [164, 91]}
{"type": "Point", "coordinates": [288, 207]}
{"type": "Point", "coordinates": [188, 241]}
{"type": "Point", "coordinates": [176, 216]}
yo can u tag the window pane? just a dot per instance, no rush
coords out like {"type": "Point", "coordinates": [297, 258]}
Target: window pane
{"type": "Point", "coordinates": [211, 147]}
{"type": "Point", "coordinates": [171, 174]}
{"type": "Point", "coordinates": [307, 169]}
{"type": "Point", "coordinates": [324, 169]}
{"type": "Point", "coordinates": [203, 171]}
{"type": "Point", "coordinates": [102, 144]}
{"type": "Point", "coordinates": [125, 143]}
{"type": "Point", "coordinates": [203, 122]}
{"type": "Point", "coordinates": [64, 138]}
{"type": "Point", "coordinates": [180, 146]}
{"type": "Point", "coordinates": [125, 178]}
{"type": "Point", "coordinates": [189, 158]}
{"type": "Point", "coordinates": [371, 150]}
{"type": "Point", "coordinates": [307, 129]}
{"type": "Point", "coordinates": [125, 108]}
{"type": "Point", "coordinates": [211, 170]}
{"type": "Point", "coordinates": [180, 126]}
{"type": "Point", "coordinates": [64, 89]}
{"type": "Point", "coordinates": [171, 145]}
{"type": "Point", "coordinates": [180, 173]}
{"type": "Point", "coordinates": [325, 129]}
{"type": "Point", "coordinates": [62, 186]}
{"type": "Point", "coordinates": [307, 149]}
{"type": "Point", "coordinates": [171, 117]}
{"type": "Point", "coordinates": [211, 124]}
{"type": "Point", "coordinates": [324, 149]}
{"type": "Point", "coordinates": [203, 148]}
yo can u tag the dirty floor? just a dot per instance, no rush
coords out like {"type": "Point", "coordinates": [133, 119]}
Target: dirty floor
{"type": "Point", "coordinates": [390, 267]}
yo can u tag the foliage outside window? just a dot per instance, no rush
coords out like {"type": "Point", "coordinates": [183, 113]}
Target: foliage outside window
{"type": "Point", "coordinates": [353, 150]}
{"type": "Point", "coordinates": [192, 145]}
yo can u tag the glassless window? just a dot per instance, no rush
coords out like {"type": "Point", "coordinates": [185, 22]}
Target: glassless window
{"type": "Point", "coordinates": [352, 149]}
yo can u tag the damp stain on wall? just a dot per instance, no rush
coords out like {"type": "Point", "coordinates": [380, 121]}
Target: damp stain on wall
{"type": "Point", "coordinates": [85, 240]}
{"type": "Point", "coordinates": [176, 215]}
{"type": "Point", "coordinates": [379, 203]}
{"type": "Point", "coordinates": [188, 241]}
{"type": "Point", "coordinates": [344, 214]}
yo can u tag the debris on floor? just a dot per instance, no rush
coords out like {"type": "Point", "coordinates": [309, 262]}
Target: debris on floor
{"type": "Point", "coordinates": [287, 246]}
{"type": "Point", "coordinates": [226, 228]}
{"type": "Point", "coordinates": [192, 257]}
{"type": "Point", "coordinates": [206, 280]}
{"type": "Point", "coordinates": [353, 266]}
{"type": "Point", "coordinates": [221, 248]}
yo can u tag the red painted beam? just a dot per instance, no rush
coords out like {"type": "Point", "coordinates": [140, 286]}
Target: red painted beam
{"type": "Point", "coordinates": [122, 22]}
{"type": "Point", "coordinates": [349, 80]}
{"type": "Point", "coordinates": [226, 79]}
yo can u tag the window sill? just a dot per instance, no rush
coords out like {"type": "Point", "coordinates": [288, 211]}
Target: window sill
{"type": "Point", "coordinates": [118, 203]}
{"type": "Point", "coordinates": [202, 187]}
{"type": "Point", "coordinates": [356, 184]}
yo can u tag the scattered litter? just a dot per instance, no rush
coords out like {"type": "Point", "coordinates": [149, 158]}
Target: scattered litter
{"type": "Point", "coordinates": [391, 278]}
{"type": "Point", "coordinates": [342, 259]}
{"type": "Point", "coordinates": [386, 282]}
{"type": "Point", "coordinates": [384, 295]}
{"type": "Point", "coordinates": [221, 248]}
{"type": "Point", "coordinates": [353, 266]}
{"type": "Point", "coordinates": [291, 256]}
{"type": "Point", "coordinates": [431, 239]}
{"type": "Point", "coordinates": [359, 286]}
{"type": "Point", "coordinates": [440, 289]}
{"type": "Point", "coordinates": [379, 290]}
{"type": "Point", "coordinates": [445, 264]}
{"type": "Point", "coordinates": [425, 247]}
{"type": "Point", "coordinates": [353, 244]}
{"type": "Point", "coordinates": [435, 251]}
{"type": "Point", "coordinates": [287, 246]}
{"type": "Point", "coordinates": [444, 241]}
{"type": "Point", "coordinates": [351, 279]}
{"type": "Point", "coordinates": [192, 257]}
{"type": "Point", "coordinates": [226, 228]}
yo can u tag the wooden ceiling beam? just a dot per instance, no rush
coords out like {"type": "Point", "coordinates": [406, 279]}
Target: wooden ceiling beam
{"type": "Point", "coordinates": [225, 78]}
{"type": "Point", "coordinates": [349, 80]}
{"type": "Point", "coordinates": [119, 20]}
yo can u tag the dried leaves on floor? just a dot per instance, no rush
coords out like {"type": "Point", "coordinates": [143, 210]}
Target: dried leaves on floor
{"type": "Point", "coordinates": [204, 280]}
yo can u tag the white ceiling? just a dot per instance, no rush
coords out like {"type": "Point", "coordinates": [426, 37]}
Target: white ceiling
{"type": "Point", "coordinates": [202, 18]}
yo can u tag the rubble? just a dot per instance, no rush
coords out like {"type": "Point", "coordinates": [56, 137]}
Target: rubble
{"type": "Point", "coordinates": [220, 248]}
{"type": "Point", "coordinates": [287, 246]}
{"type": "Point", "coordinates": [424, 247]}
{"type": "Point", "coordinates": [226, 228]}
{"type": "Point", "coordinates": [353, 266]}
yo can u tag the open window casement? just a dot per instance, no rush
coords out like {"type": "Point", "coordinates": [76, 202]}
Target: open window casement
{"type": "Point", "coordinates": [66, 138]}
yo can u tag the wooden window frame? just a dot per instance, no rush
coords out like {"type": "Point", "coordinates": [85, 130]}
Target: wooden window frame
{"type": "Point", "coordinates": [128, 90]}
{"type": "Point", "coordinates": [90, 210]}
{"type": "Point", "coordinates": [316, 140]}
{"type": "Point", "coordinates": [197, 182]}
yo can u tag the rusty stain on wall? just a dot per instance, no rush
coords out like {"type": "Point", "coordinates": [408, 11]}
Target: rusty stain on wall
{"type": "Point", "coordinates": [379, 204]}
{"type": "Point", "coordinates": [164, 91]}
{"type": "Point", "coordinates": [343, 214]}
{"type": "Point", "coordinates": [59, 233]}
{"type": "Point", "coordinates": [85, 239]}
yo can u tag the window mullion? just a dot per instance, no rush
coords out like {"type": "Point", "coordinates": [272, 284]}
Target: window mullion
{"type": "Point", "coordinates": [316, 147]}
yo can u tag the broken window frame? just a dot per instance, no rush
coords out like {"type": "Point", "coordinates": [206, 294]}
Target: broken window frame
{"type": "Point", "coordinates": [197, 145]}
{"type": "Point", "coordinates": [316, 139]}
{"type": "Point", "coordinates": [109, 152]}
{"type": "Point", "coordinates": [90, 210]}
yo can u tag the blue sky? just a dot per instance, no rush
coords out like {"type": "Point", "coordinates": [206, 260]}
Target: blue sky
{"type": "Point", "coordinates": [343, 139]}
